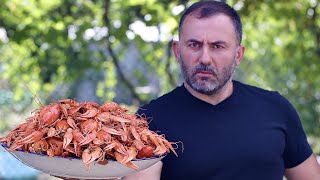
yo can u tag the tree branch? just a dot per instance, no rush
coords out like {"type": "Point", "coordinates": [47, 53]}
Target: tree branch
{"type": "Point", "coordinates": [314, 26]}
{"type": "Point", "coordinates": [115, 60]}
{"type": "Point", "coordinates": [168, 53]}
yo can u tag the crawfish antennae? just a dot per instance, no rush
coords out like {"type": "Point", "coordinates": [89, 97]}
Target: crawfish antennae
{"type": "Point", "coordinates": [176, 145]}
{"type": "Point", "coordinates": [36, 98]}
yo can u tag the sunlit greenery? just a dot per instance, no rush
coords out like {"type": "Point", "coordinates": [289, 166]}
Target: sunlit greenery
{"type": "Point", "coordinates": [47, 45]}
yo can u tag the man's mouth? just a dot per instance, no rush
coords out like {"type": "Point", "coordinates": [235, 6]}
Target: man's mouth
{"type": "Point", "coordinates": [204, 73]}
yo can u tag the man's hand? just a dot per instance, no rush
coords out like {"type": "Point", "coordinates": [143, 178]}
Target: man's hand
{"type": "Point", "coordinates": [64, 178]}
{"type": "Point", "coordinates": [151, 173]}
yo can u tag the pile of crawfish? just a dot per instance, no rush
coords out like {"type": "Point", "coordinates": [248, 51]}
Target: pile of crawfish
{"type": "Point", "coordinates": [89, 131]}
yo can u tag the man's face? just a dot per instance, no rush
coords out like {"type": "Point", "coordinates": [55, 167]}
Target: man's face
{"type": "Point", "coordinates": [208, 53]}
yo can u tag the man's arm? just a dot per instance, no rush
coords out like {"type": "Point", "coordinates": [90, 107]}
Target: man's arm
{"type": "Point", "coordinates": [151, 173]}
{"type": "Point", "coordinates": [308, 170]}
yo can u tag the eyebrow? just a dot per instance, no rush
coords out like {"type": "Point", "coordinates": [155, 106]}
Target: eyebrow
{"type": "Point", "coordinates": [211, 43]}
{"type": "Point", "coordinates": [193, 41]}
{"type": "Point", "coordinates": [218, 43]}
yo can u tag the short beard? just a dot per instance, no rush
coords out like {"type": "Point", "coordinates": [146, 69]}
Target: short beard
{"type": "Point", "coordinates": [207, 86]}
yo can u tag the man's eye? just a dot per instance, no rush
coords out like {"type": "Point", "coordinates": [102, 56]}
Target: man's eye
{"type": "Point", "coordinates": [217, 46]}
{"type": "Point", "coordinates": [194, 45]}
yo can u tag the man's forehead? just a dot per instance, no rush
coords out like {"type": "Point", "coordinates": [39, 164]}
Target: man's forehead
{"type": "Point", "coordinates": [207, 24]}
{"type": "Point", "coordinates": [215, 28]}
{"type": "Point", "coordinates": [219, 17]}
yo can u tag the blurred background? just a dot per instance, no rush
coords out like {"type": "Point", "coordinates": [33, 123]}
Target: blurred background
{"type": "Point", "coordinates": [120, 50]}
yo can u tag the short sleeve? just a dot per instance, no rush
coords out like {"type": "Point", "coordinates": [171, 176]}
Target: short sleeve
{"type": "Point", "coordinates": [297, 148]}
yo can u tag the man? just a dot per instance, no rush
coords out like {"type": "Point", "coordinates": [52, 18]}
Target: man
{"type": "Point", "coordinates": [229, 130]}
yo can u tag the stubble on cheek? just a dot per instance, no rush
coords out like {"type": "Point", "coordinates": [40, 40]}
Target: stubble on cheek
{"type": "Point", "coordinates": [206, 84]}
{"type": "Point", "coordinates": [202, 84]}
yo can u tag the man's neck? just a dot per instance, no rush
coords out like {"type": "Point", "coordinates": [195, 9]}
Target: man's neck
{"type": "Point", "coordinates": [216, 98]}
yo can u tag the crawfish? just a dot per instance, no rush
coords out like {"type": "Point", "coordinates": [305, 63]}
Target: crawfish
{"type": "Point", "coordinates": [161, 144]}
{"type": "Point", "coordinates": [113, 107]}
{"type": "Point", "coordinates": [89, 129]}
{"type": "Point", "coordinates": [91, 154]}
{"type": "Point", "coordinates": [67, 138]}
{"type": "Point", "coordinates": [121, 158]}
{"type": "Point", "coordinates": [40, 146]}
{"type": "Point", "coordinates": [33, 137]}
{"type": "Point", "coordinates": [51, 132]}
{"type": "Point", "coordinates": [83, 139]}
{"type": "Point", "coordinates": [132, 151]}
{"type": "Point", "coordinates": [49, 114]}
{"type": "Point", "coordinates": [102, 137]}
{"type": "Point", "coordinates": [62, 126]}
{"type": "Point", "coordinates": [88, 126]}
{"type": "Point", "coordinates": [71, 122]}
{"type": "Point", "coordinates": [107, 117]}
{"type": "Point", "coordinates": [13, 134]}
{"type": "Point", "coordinates": [90, 113]}
{"type": "Point", "coordinates": [70, 102]}
{"type": "Point", "coordinates": [146, 151]}
{"type": "Point", "coordinates": [55, 146]}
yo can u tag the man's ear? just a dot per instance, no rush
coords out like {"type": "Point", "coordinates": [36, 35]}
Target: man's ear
{"type": "Point", "coordinates": [175, 48]}
{"type": "Point", "coordinates": [239, 54]}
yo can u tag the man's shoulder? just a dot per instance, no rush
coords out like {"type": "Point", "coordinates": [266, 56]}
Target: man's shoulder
{"type": "Point", "coordinates": [163, 100]}
{"type": "Point", "coordinates": [255, 90]}
{"type": "Point", "coordinates": [168, 97]}
{"type": "Point", "coordinates": [257, 93]}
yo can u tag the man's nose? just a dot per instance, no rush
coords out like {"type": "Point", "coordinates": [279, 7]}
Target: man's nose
{"type": "Point", "coordinates": [205, 57]}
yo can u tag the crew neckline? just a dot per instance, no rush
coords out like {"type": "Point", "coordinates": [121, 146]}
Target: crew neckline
{"type": "Point", "coordinates": [225, 101]}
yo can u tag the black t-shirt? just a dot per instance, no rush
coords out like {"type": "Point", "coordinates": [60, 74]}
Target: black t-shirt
{"type": "Point", "coordinates": [253, 134]}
